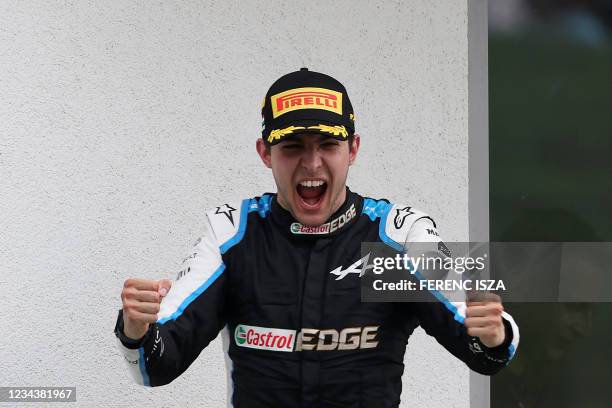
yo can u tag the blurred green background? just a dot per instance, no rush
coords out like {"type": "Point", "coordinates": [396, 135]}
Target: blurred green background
{"type": "Point", "coordinates": [550, 118]}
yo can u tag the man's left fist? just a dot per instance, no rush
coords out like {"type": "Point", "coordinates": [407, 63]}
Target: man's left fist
{"type": "Point", "coordinates": [484, 318]}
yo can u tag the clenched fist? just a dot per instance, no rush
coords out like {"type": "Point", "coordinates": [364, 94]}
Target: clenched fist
{"type": "Point", "coordinates": [484, 318]}
{"type": "Point", "coordinates": [141, 299]}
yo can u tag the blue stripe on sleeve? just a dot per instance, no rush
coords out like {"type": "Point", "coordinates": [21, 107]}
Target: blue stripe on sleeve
{"type": "Point", "coordinates": [143, 368]}
{"type": "Point", "coordinates": [194, 295]}
{"type": "Point", "coordinates": [244, 210]}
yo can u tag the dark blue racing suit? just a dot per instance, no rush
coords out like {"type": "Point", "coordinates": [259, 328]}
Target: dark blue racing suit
{"type": "Point", "coordinates": [296, 331]}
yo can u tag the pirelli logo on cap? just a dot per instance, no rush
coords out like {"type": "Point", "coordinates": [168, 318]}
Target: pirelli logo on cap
{"type": "Point", "coordinates": [306, 98]}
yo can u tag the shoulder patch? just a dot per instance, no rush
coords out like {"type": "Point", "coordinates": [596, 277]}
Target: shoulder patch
{"type": "Point", "coordinates": [400, 220]}
{"type": "Point", "coordinates": [225, 220]}
{"type": "Point", "coordinates": [228, 222]}
{"type": "Point", "coordinates": [228, 211]}
{"type": "Point", "coordinates": [395, 220]}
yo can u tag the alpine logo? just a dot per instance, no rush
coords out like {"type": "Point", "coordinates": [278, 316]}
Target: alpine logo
{"type": "Point", "coordinates": [328, 227]}
{"type": "Point", "coordinates": [360, 267]}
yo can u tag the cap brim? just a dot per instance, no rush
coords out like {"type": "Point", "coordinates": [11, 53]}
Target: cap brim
{"type": "Point", "coordinates": [324, 128]}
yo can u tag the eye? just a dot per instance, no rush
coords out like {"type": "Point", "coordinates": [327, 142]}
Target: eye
{"type": "Point", "coordinates": [329, 144]}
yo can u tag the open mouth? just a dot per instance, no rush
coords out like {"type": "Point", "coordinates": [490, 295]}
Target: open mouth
{"type": "Point", "coordinates": [311, 191]}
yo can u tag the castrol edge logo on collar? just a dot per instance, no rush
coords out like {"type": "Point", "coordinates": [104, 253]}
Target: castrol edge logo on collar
{"type": "Point", "coordinates": [271, 339]}
{"type": "Point", "coordinates": [328, 227]}
{"type": "Point", "coordinates": [306, 98]}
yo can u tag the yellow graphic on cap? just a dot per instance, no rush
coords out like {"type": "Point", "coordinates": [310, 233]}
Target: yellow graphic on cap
{"type": "Point", "coordinates": [334, 130]}
{"type": "Point", "coordinates": [280, 133]}
{"type": "Point", "coordinates": [306, 98]}
{"type": "Point", "coordinates": [351, 117]}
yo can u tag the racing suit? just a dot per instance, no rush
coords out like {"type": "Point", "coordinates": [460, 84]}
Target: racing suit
{"type": "Point", "coordinates": [297, 335]}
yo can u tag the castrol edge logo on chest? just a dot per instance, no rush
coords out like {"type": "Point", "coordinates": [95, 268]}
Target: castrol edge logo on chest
{"type": "Point", "coordinates": [306, 98]}
{"type": "Point", "coordinates": [265, 338]}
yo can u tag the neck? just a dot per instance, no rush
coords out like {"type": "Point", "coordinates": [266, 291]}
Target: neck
{"type": "Point", "coordinates": [339, 201]}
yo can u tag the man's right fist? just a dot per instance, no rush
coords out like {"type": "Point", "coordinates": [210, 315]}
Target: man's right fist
{"type": "Point", "coordinates": [141, 299]}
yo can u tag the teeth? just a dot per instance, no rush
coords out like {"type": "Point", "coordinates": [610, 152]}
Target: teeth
{"type": "Point", "coordinates": [312, 183]}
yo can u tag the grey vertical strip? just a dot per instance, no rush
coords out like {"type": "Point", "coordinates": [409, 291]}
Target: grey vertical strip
{"type": "Point", "coordinates": [478, 154]}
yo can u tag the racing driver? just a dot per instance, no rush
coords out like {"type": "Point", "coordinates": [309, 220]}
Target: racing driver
{"type": "Point", "coordinates": [280, 274]}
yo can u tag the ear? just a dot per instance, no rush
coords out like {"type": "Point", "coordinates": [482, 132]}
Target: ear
{"type": "Point", "coordinates": [355, 149]}
{"type": "Point", "coordinates": [264, 152]}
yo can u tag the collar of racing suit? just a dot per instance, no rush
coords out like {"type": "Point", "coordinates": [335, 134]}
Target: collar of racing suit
{"type": "Point", "coordinates": [339, 221]}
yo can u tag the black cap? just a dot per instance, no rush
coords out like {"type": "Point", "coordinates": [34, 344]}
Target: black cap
{"type": "Point", "coordinates": [306, 102]}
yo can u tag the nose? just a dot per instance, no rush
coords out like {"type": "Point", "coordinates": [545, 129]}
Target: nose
{"type": "Point", "coordinates": [311, 158]}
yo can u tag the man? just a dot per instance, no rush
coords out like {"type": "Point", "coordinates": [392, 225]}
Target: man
{"type": "Point", "coordinates": [269, 271]}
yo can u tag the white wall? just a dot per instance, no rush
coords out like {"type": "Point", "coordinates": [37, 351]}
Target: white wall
{"type": "Point", "coordinates": [120, 122]}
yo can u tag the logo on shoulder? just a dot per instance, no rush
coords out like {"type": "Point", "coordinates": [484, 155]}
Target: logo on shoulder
{"type": "Point", "coordinates": [226, 210]}
{"type": "Point", "coordinates": [400, 216]}
{"type": "Point", "coordinates": [328, 227]}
